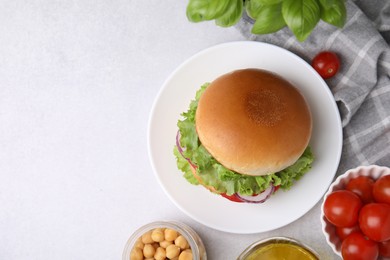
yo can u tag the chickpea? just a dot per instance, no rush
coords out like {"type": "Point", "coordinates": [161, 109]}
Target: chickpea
{"type": "Point", "coordinates": [139, 244]}
{"type": "Point", "coordinates": [165, 244]}
{"type": "Point", "coordinates": [136, 254]}
{"type": "Point", "coordinates": [149, 250]}
{"type": "Point", "coordinates": [170, 234]}
{"type": "Point", "coordinates": [172, 251]}
{"type": "Point", "coordinates": [185, 255]}
{"type": "Point", "coordinates": [158, 235]}
{"type": "Point", "coordinates": [147, 238]}
{"type": "Point", "coordinates": [155, 245]}
{"type": "Point", "coordinates": [160, 254]}
{"type": "Point", "coordinates": [181, 242]}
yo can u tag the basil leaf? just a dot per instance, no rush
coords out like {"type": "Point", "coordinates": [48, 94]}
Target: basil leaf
{"type": "Point", "coordinates": [204, 10]}
{"type": "Point", "coordinates": [252, 8]}
{"type": "Point", "coordinates": [269, 19]}
{"type": "Point", "coordinates": [301, 16]}
{"type": "Point", "coordinates": [196, 9]}
{"type": "Point", "coordinates": [334, 14]}
{"type": "Point", "coordinates": [270, 2]}
{"type": "Point", "coordinates": [328, 3]}
{"type": "Point", "coordinates": [232, 15]}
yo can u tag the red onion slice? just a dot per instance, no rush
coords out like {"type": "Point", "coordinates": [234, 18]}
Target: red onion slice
{"type": "Point", "coordinates": [181, 150]}
{"type": "Point", "coordinates": [260, 198]}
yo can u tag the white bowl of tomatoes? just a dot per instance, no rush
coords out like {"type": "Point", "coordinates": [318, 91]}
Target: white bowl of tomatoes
{"type": "Point", "coordinates": [355, 213]}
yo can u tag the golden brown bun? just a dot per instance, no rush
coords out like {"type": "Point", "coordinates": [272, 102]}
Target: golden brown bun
{"type": "Point", "coordinates": [253, 122]}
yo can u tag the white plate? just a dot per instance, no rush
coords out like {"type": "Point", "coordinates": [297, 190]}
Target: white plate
{"type": "Point", "coordinates": [213, 210]}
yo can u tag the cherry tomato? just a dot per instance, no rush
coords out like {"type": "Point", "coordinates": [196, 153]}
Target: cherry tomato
{"type": "Point", "coordinates": [357, 247]}
{"type": "Point", "coordinates": [384, 248]}
{"type": "Point", "coordinates": [362, 186]}
{"type": "Point", "coordinates": [374, 221]}
{"type": "Point", "coordinates": [343, 232]}
{"type": "Point", "coordinates": [326, 63]}
{"type": "Point", "coordinates": [381, 189]}
{"type": "Point", "coordinates": [341, 208]}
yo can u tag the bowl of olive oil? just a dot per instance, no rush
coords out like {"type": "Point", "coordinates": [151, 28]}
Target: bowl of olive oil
{"type": "Point", "coordinates": [276, 248]}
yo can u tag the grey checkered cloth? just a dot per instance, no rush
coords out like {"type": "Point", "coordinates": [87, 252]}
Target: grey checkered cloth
{"type": "Point", "coordinates": [362, 86]}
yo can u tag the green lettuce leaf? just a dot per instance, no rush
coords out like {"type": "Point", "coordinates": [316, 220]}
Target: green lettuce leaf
{"type": "Point", "coordinates": [184, 166]}
{"type": "Point", "coordinates": [215, 174]}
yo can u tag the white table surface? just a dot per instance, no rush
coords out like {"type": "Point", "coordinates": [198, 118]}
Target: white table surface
{"type": "Point", "coordinates": [77, 82]}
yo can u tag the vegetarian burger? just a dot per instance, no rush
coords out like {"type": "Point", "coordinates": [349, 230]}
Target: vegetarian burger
{"type": "Point", "coordinates": [245, 135]}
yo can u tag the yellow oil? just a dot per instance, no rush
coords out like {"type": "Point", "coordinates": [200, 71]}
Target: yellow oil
{"type": "Point", "coordinates": [281, 251]}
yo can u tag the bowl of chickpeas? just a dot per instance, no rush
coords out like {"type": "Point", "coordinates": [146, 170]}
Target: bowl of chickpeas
{"type": "Point", "coordinates": [162, 240]}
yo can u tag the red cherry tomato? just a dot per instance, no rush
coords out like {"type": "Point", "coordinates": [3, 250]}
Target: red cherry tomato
{"type": "Point", "coordinates": [374, 221]}
{"type": "Point", "coordinates": [358, 247]}
{"type": "Point", "coordinates": [362, 186]}
{"type": "Point", "coordinates": [326, 63]}
{"type": "Point", "coordinates": [343, 232]}
{"type": "Point", "coordinates": [381, 189]}
{"type": "Point", "coordinates": [384, 248]}
{"type": "Point", "coordinates": [341, 208]}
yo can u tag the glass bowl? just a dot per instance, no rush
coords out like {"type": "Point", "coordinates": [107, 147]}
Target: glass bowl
{"type": "Point", "coordinates": [163, 233]}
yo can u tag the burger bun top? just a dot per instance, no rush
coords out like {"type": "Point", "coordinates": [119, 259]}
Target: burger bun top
{"type": "Point", "coordinates": [253, 121]}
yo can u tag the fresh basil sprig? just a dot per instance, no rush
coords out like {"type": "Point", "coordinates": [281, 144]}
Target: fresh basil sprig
{"type": "Point", "coordinates": [269, 16]}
